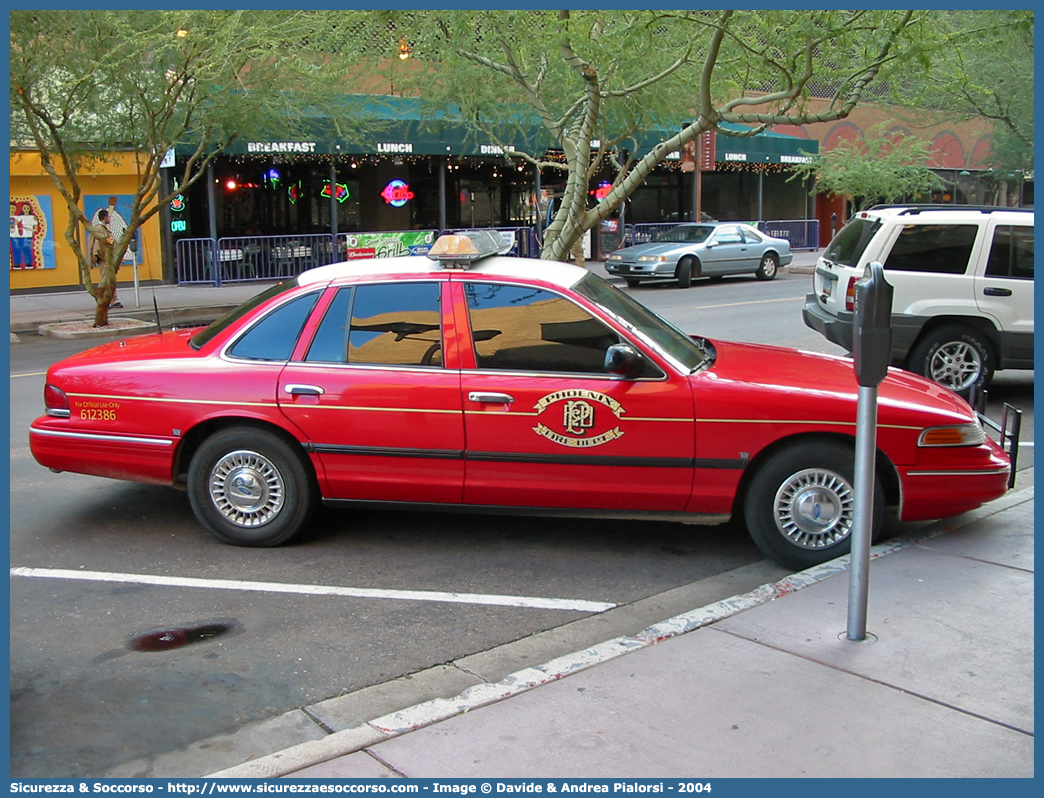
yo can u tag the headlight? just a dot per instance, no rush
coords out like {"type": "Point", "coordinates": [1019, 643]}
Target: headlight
{"type": "Point", "coordinates": [649, 258]}
{"type": "Point", "coordinates": [958, 435]}
{"type": "Point", "coordinates": [615, 257]}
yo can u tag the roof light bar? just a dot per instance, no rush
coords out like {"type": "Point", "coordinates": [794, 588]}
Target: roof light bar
{"type": "Point", "coordinates": [459, 251]}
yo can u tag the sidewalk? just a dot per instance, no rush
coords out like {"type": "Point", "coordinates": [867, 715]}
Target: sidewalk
{"type": "Point", "coordinates": [187, 305]}
{"type": "Point", "coordinates": [764, 685]}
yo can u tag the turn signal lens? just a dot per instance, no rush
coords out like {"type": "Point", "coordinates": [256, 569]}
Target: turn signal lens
{"type": "Point", "coordinates": [961, 435]}
{"type": "Point", "coordinates": [55, 401]}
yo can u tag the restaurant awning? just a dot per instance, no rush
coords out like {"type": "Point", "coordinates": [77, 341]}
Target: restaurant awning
{"type": "Point", "coordinates": [406, 126]}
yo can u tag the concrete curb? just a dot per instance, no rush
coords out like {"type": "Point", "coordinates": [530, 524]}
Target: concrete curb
{"type": "Point", "coordinates": [348, 741]}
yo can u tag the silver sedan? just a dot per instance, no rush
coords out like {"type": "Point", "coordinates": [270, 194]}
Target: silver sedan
{"type": "Point", "coordinates": [689, 251]}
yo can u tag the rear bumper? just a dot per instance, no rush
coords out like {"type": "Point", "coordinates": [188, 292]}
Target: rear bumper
{"type": "Point", "coordinates": [136, 458]}
{"type": "Point", "coordinates": [840, 329]}
{"type": "Point", "coordinates": [836, 329]}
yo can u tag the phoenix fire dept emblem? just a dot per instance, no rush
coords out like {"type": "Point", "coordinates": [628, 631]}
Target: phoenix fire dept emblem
{"type": "Point", "coordinates": [573, 418]}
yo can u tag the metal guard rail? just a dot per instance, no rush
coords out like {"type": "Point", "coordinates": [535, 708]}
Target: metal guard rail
{"type": "Point", "coordinates": [1009, 430]}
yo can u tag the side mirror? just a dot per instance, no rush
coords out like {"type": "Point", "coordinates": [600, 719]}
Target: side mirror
{"type": "Point", "coordinates": [623, 360]}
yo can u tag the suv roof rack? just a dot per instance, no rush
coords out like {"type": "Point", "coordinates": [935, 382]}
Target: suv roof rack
{"type": "Point", "coordinates": [911, 209]}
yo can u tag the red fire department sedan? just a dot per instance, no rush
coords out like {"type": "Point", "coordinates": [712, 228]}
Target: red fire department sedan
{"type": "Point", "coordinates": [470, 381]}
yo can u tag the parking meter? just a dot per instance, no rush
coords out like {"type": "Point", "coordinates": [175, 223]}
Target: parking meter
{"type": "Point", "coordinates": [872, 335]}
{"type": "Point", "coordinates": [871, 351]}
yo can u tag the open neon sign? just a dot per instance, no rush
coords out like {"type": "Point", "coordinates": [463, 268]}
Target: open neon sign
{"type": "Point", "coordinates": [397, 193]}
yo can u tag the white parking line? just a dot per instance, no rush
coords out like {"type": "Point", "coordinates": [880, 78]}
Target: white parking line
{"type": "Point", "coordinates": [528, 602]}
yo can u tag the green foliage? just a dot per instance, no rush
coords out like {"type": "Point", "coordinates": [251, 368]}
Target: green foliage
{"type": "Point", "coordinates": [982, 66]}
{"type": "Point", "coordinates": [879, 169]}
{"type": "Point", "coordinates": [618, 91]}
{"type": "Point", "coordinates": [87, 84]}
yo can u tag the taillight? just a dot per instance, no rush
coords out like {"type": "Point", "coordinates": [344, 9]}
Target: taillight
{"type": "Point", "coordinates": [850, 294]}
{"type": "Point", "coordinates": [55, 401]}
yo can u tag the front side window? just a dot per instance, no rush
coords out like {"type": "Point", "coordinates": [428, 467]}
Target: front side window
{"type": "Point", "coordinates": [728, 235]}
{"type": "Point", "coordinates": [940, 248]}
{"type": "Point", "coordinates": [1011, 254]}
{"type": "Point", "coordinates": [388, 324]}
{"type": "Point", "coordinates": [274, 337]}
{"type": "Point", "coordinates": [518, 328]}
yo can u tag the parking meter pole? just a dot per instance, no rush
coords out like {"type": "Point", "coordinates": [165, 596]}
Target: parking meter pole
{"type": "Point", "coordinates": [871, 351]}
{"type": "Point", "coordinates": [863, 512]}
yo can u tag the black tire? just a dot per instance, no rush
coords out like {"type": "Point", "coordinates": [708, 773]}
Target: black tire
{"type": "Point", "coordinates": [768, 268]}
{"type": "Point", "coordinates": [631, 282]}
{"type": "Point", "coordinates": [786, 500]}
{"type": "Point", "coordinates": [684, 272]}
{"type": "Point", "coordinates": [955, 356]}
{"type": "Point", "coordinates": [277, 493]}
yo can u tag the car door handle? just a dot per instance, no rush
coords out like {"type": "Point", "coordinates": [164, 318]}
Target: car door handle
{"type": "Point", "coordinates": [491, 398]}
{"type": "Point", "coordinates": [997, 291]}
{"type": "Point", "coordinates": [304, 390]}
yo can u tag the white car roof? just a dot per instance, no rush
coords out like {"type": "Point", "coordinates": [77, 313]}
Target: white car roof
{"type": "Point", "coordinates": [560, 274]}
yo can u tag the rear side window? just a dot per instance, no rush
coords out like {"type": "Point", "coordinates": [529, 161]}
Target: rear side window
{"type": "Point", "coordinates": [273, 337]}
{"type": "Point", "coordinates": [1011, 254]}
{"type": "Point", "coordinates": [848, 245]}
{"type": "Point", "coordinates": [388, 324]}
{"type": "Point", "coordinates": [939, 248]}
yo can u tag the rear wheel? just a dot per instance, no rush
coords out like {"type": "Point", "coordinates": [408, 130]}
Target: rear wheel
{"type": "Point", "coordinates": [249, 487]}
{"type": "Point", "coordinates": [768, 268]}
{"type": "Point", "coordinates": [800, 504]}
{"type": "Point", "coordinates": [955, 356]}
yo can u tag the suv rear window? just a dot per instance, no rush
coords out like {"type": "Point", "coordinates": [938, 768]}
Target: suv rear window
{"type": "Point", "coordinates": [848, 245]}
{"type": "Point", "coordinates": [941, 248]}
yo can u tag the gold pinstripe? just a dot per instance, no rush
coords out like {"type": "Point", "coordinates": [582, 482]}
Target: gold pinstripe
{"type": "Point", "coordinates": [475, 412]}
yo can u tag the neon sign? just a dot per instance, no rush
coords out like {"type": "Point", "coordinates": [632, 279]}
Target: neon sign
{"type": "Point", "coordinates": [397, 193]}
{"type": "Point", "coordinates": [602, 191]}
{"type": "Point", "coordinates": [342, 191]}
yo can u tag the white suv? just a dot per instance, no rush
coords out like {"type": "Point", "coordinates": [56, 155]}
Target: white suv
{"type": "Point", "coordinates": [963, 280]}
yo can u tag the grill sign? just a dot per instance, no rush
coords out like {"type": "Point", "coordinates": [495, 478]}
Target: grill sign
{"type": "Point", "coordinates": [575, 416]}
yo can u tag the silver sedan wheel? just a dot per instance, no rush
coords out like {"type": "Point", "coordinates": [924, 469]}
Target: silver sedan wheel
{"type": "Point", "coordinates": [956, 365]}
{"type": "Point", "coordinates": [246, 488]}
{"type": "Point", "coordinates": [813, 508]}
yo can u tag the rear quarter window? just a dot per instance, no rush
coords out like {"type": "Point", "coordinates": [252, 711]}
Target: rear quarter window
{"type": "Point", "coordinates": [1011, 253]}
{"type": "Point", "coordinates": [939, 248]}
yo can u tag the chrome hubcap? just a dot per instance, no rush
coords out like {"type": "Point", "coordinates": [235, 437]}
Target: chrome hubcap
{"type": "Point", "coordinates": [246, 488]}
{"type": "Point", "coordinates": [956, 365]}
{"type": "Point", "coordinates": [813, 508]}
{"type": "Point", "coordinates": [768, 266]}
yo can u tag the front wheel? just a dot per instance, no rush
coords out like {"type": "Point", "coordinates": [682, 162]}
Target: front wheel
{"type": "Point", "coordinates": [768, 267]}
{"type": "Point", "coordinates": [631, 282]}
{"type": "Point", "coordinates": [249, 487]}
{"type": "Point", "coordinates": [800, 504]}
{"type": "Point", "coordinates": [685, 272]}
{"type": "Point", "coordinates": [955, 356]}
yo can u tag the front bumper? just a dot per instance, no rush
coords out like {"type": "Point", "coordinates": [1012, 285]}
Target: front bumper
{"type": "Point", "coordinates": [625, 269]}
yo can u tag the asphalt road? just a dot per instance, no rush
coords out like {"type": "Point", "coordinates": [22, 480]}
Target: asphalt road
{"type": "Point", "coordinates": [84, 700]}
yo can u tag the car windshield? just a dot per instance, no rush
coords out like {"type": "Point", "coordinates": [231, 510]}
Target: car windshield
{"type": "Point", "coordinates": [203, 336]}
{"type": "Point", "coordinates": [691, 353]}
{"type": "Point", "coordinates": [686, 234]}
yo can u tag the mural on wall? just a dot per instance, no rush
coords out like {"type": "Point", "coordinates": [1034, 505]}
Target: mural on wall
{"type": "Point", "coordinates": [32, 233]}
{"type": "Point", "coordinates": [119, 206]}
